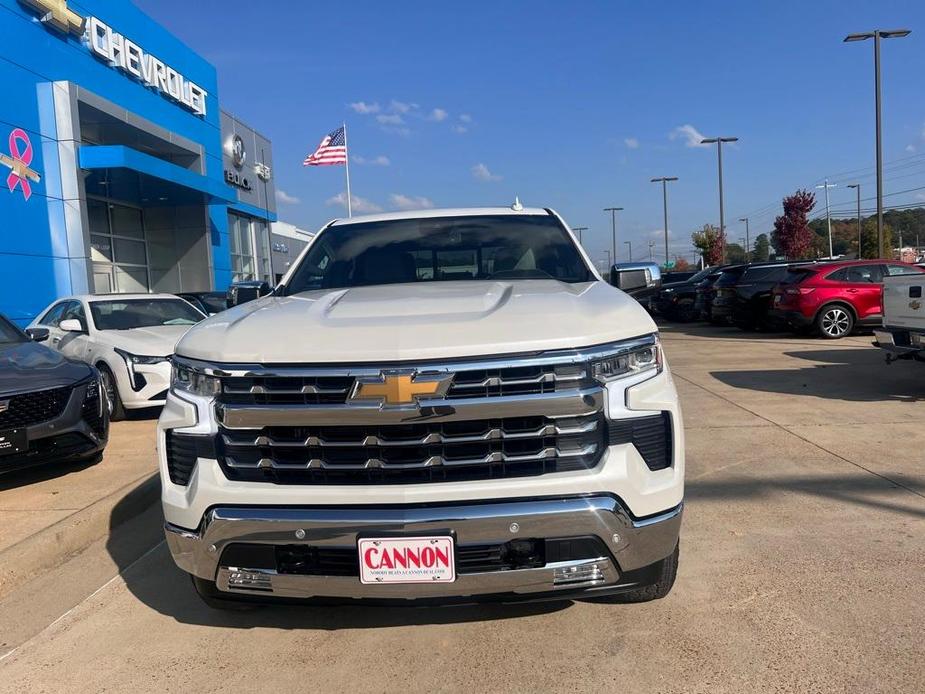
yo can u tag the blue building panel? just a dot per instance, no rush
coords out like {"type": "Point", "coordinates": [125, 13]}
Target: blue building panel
{"type": "Point", "coordinates": [70, 187]}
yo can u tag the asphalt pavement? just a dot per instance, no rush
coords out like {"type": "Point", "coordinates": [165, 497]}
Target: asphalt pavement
{"type": "Point", "coordinates": [801, 569]}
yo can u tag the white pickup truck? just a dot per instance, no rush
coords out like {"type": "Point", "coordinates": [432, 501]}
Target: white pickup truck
{"type": "Point", "coordinates": [903, 309]}
{"type": "Point", "coordinates": [446, 405]}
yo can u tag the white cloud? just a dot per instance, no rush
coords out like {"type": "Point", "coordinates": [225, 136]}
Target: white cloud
{"type": "Point", "coordinates": [920, 196]}
{"type": "Point", "coordinates": [364, 108]}
{"type": "Point", "coordinates": [361, 205]}
{"type": "Point", "coordinates": [410, 202]}
{"type": "Point", "coordinates": [631, 143]}
{"type": "Point", "coordinates": [460, 129]}
{"type": "Point", "coordinates": [285, 198]}
{"type": "Point", "coordinates": [482, 173]}
{"type": "Point", "coordinates": [691, 135]}
{"type": "Point", "coordinates": [381, 160]}
{"type": "Point", "coordinates": [438, 115]}
{"type": "Point", "coordinates": [910, 148]}
{"type": "Point", "coordinates": [396, 106]}
{"type": "Point", "coordinates": [465, 118]}
{"type": "Point", "coordinates": [390, 119]}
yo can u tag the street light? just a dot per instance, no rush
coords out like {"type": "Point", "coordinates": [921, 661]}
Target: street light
{"type": "Point", "coordinates": [651, 246]}
{"type": "Point", "coordinates": [876, 35]}
{"type": "Point", "coordinates": [664, 181]}
{"type": "Point", "coordinates": [719, 153]}
{"type": "Point", "coordinates": [828, 219]}
{"type": "Point", "coordinates": [579, 230]}
{"type": "Point", "coordinates": [747, 241]}
{"type": "Point", "coordinates": [857, 186]}
{"type": "Point", "coordinates": [613, 227]}
{"type": "Point", "coordinates": [630, 244]}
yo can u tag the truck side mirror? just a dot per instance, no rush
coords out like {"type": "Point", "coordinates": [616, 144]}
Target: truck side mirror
{"type": "Point", "coordinates": [242, 292]}
{"type": "Point", "coordinates": [629, 279]}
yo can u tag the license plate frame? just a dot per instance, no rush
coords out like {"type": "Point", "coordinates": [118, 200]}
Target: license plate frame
{"type": "Point", "coordinates": [13, 441]}
{"type": "Point", "coordinates": [379, 558]}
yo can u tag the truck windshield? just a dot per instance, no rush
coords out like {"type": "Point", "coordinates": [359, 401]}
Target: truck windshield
{"type": "Point", "coordinates": [489, 247]}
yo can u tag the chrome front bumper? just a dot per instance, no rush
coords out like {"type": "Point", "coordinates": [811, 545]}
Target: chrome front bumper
{"type": "Point", "coordinates": [631, 544]}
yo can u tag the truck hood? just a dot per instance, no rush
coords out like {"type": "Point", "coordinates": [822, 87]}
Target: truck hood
{"type": "Point", "coordinates": [433, 320]}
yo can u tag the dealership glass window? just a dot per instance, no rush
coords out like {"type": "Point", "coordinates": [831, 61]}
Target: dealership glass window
{"type": "Point", "coordinates": [250, 248]}
{"type": "Point", "coordinates": [117, 247]}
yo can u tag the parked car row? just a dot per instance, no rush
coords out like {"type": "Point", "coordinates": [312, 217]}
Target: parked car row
{"type": "Point", "coordinates": [829, 298]}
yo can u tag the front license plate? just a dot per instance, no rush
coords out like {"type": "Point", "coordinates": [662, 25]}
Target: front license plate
{"type": "Point", "coordinates": [407, 559]}
{"type": "Point", "coordinates": [13, 441]}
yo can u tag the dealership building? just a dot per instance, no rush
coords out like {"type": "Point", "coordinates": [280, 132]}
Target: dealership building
{"type": "Point", "coordinates": [120, 171]}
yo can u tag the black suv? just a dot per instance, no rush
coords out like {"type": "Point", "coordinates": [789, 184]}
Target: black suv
{"type": "Point", "coordinates": [676, 300]}
{"type": "Point", "coordinates": [51, 408]}
{"type": "Point", "coordinates": [743, 293]}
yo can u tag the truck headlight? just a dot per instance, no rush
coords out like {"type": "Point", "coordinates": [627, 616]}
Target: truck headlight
{"type": "Point", "coordinates": [627, 360]}
{"type": "Point", "coordinates": [188, 379]}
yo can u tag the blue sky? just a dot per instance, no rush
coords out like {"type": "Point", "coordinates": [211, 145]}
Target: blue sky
{"type": "Point", "coordinates": [574, 106]}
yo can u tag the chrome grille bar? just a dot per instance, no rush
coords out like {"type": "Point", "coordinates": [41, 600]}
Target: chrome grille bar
{"type": "Point", "coordinates": [571, 403]}
{"type": "Point", "coordinates": [548, 453]}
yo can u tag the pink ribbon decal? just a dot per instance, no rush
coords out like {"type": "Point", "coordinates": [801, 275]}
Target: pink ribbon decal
{"type": "Point", "coordinates": [21, 158]}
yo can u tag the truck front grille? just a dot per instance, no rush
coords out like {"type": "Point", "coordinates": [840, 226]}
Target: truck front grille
{"type": "Point", "coordinates": [413, 453]}
{"type": "Point", "coordinates": [496, 381]}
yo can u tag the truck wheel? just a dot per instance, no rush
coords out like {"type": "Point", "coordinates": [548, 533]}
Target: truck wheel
{"type": "Point", "coordinates": [111, 391]}
{"type": "Point", "coordinates": [834, 322]}
{"type": "Point", "coordinates": [667, 572]}
{"type": "Point", "coordinates": [213, 597]}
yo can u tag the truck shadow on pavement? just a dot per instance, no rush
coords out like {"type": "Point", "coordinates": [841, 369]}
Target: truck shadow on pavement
{"type": "Point", "coordinates": [152, 577]}
{"type": "Point", "coordinates": [863, 489]}
{"type": "Point", "coordinates": [857, 375]}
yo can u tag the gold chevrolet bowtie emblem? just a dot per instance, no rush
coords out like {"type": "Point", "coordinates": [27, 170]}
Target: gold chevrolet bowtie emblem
{"type": "Point", "coordinates": [57, 14]}
{"type": "Point", "coordinates": [401, 389]}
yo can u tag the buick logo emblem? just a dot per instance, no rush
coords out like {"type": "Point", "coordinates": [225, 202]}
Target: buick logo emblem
{"type": "Point", "coordinates": [238, 153]}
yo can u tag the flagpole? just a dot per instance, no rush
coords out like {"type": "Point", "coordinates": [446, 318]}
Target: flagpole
{"type": "Point", "coordinates": [347, 167]}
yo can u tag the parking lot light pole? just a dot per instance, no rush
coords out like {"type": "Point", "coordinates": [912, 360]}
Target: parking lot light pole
{"type": "Point", "coordinates": [857, 186]}
{"type": "Point", "coordinates": [747, 241]}
{"type": "Point", "coordinates": [630, 244]}
{"type": "Point", "coordinates": [578, 230]}
{"type": "Point", "coordinates": [876, 35]}
{"type": "Point", "coordinates": [613, 229]}
{"type": "Point", "coordinates": [719, 155]}
{"type": "Point", "coordinates": [651, 246]}
{"type": "Point", "coordinates": [664, 181]}
{"type": "Point", "coordinates": [828, 218]}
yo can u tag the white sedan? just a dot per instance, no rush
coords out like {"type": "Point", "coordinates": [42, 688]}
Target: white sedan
{"type": "Point", "coordinates": [128, 337]}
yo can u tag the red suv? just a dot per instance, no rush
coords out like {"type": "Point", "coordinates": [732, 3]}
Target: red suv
{"type": "Point", "coordinates": [835, 297]}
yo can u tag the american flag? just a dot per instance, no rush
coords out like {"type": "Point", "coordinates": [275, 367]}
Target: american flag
{"type": "Point", "coordinates": [331, 150]}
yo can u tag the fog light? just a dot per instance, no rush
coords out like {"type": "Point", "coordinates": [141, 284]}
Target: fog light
{"type": "Point", "coordinates": [250, 580]}
{"type": "Point", "coordinates": [582, 573]}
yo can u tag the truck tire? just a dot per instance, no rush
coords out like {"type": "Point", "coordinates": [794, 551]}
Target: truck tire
{"type": "Point", "coordinates": [834, 321]}
{"type": "Point", "coordinates": [667, 572]}
{"type": "Point", "coordinates": [213, 597]}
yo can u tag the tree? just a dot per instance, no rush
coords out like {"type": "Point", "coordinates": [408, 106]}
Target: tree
{"type": "Point", "coordinates": [792, 236]}
{"type": "Point", "coordinates": [762, 249]}
{"type": "Point", "coordinates": [709, 243]}
{"type": "Point", "coordinates": [735, 253]}
{"type": "Point", "coordinates": [869, 239]}
{"type": "Point", "coordinates": [680, 265]}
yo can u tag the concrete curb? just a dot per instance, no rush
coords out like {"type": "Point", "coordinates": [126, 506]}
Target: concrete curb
{"type": "Point", "coordinates": [52, 546]}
